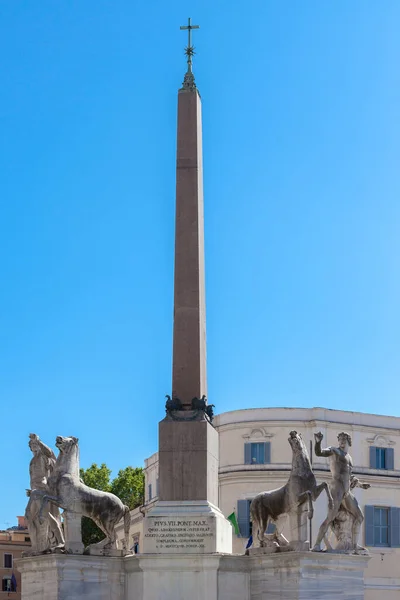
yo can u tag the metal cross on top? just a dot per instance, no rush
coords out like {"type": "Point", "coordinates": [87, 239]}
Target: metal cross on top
{"type": "Point", "coordinates": [189, 50]}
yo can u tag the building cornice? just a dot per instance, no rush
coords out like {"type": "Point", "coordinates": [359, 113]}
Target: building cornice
{"type": "Point", "coordinates": [243, 472]}
{"type": "Point", "coordinates": [310, 423]}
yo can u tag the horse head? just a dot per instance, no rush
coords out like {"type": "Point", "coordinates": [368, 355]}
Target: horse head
{"type": "Point", "coordinates": [296, 442]}
{"type": "Point", "coordinates": [68, 458]}
{"type": "Point", "coordinates": [66, 444]}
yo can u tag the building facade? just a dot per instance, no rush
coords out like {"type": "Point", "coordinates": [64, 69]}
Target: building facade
{"type": "Point", "coordinates": [255, 456]}
{"type": "Point", "coordinates": [13, 542]}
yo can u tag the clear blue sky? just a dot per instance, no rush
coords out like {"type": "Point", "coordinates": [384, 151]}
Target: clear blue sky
{"type": "Point", "coordinates": [301, 121]}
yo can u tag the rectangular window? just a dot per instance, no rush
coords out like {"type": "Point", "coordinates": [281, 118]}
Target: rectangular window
{"type": "Point", "coordinates": [150, 491]}
{"type": "Point", "coordinates": [8, 561]}
{"type": "Point", "coordinates": [7, 585]}
{"type": "Point", "coordinates": [257, 453]}
{"type": "Point", "coordinates": [382, 526]}
{"type": "Point", "coordinates": [381, 458]}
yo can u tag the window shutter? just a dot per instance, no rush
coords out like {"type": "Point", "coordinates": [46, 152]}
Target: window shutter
{"type": "Point", "coordinates": [267, 452]}
{"type": "Point", "coordinates": [243, 511]}
{"type": "Point", "coordinates": [261, 453]}
{"type": "Point", "coordinates": [369, 525]}
{"type": "Point", "coordinates": [247, 454]}
{"type": "Point", "coordinates": [390, 458]}
{"type": "Point", "coordinates": [372, 457]}
{"type": "Point", "coordinates": [394, 524]}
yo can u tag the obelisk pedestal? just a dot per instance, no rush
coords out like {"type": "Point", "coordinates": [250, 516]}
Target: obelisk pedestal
{"type": "Point", "coordinates": [187, 520]}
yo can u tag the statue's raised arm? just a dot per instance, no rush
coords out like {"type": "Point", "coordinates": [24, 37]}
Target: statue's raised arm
{"type": "Point", "coordinates": [46, 451]}
{"type": "Point", "coordinates": [317, 447]}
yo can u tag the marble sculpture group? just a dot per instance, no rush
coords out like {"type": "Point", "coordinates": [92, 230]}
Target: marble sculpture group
{"type": "Point", "coordinates": [55, 484]}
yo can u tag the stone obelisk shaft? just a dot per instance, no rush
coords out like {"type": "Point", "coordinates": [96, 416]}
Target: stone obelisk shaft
{"type": "Point", "coordinates": [189, 377]}
{"type": "Point", "coordinates": [186, 517]}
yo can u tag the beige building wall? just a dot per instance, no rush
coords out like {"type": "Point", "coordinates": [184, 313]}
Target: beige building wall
{"type": "Point", "coordinates": [12, 543]}
{"type": "Point", "coordinates": [240, 481]}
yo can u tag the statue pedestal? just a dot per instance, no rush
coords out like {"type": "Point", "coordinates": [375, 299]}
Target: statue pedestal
{"type": "Point", "coordinates": [281, 576]}
{"type": "Point", "coordinates": [306, 575]}
{"type": "Point", "coordinates": [73, 532]}
{"type": "Point", "coordinates": [71, 577]}
{"type": "Point", "coordinates": [299, 529]}
{"type": "Point", "coordinates": [185, 577]}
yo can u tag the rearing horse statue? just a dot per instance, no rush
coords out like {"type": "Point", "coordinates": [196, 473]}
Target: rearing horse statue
{"type": "Point", "coordinates": [67, 491]}
{"type": "Point", "coordinates": [290, 498]}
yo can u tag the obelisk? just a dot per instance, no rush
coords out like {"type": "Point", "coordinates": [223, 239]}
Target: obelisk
{"type": "Point", "coordinates": [187, 518]}
{"type": "Point", "coordinates": [189, 378]}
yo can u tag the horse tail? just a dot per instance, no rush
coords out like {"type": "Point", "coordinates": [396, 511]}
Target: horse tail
{"type": "Point", "coordinates": [127, 526]}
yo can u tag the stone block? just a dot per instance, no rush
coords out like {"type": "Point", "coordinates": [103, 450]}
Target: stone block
{"type": "Point", "coordinates": [73, 532]}
{"type": "Point", "coordinates": [208, 576]}
{"type": "Point", "coordinates": [188, 455]}
{"type": "Point", "coordinates": [307, 576]}
{"type": "Point", "coordinates": [186, 528]}
{"type": "Point", "coordinates": [71, 577]}
{"type": "Point", "coordinates": [171, 577]}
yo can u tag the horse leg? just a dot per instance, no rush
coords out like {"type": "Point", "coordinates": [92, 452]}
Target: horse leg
{"type": "Point", "coordinates": [46, 498]}
{"type": "Point", "coordinates": [255, 511]}
{"type": "Point", "coordinates": [109, 530]}
{"type": "Point", "coordinates": [304, 496]}
{"type": "Point", "coordinates": [56, 530]}
{"type": "Point", "coordinates": [263, 519]}
{"type": "Point", "coordinates": [317, 491]}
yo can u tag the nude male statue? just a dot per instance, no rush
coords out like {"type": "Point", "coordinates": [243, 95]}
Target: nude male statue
{"type": "Point", "coordinates": [343, 481]}
{"type": "Point", "coordinates": [48, 534]}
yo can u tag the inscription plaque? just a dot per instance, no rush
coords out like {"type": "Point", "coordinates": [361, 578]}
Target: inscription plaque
{"type": "Point", "coordinates": [171, 534]}
{"type": "Point", "coordinates": [179, 535]}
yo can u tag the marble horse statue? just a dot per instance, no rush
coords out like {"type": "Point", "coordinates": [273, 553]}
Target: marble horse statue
{"type": "Point", "coordinates": [291, 499]}
{"type": "Point", "coordinates": [66, 490]}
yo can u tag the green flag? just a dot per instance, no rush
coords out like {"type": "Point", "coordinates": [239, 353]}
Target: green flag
{"type": "Point", "coordinates": [233, 520]}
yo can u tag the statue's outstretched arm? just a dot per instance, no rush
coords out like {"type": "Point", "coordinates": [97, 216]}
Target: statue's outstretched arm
{"type": "Point", "coordinates": [355, 482]}
{"type": "Point", "coordinates": [46, 450]}
{"type": "Point", "coordinates": [322, 451]}
{"type": "Point", "coordinates": [317, 447]}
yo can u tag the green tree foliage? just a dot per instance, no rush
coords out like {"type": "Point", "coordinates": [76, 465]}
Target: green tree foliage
{"type": "Point", "coordinates": [97, 477]}
{"type": "Point", "coordinates": [128, 486]}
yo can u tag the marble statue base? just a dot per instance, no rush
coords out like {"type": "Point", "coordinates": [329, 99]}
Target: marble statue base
{"type": "Point", "coordinates": [306, 576]}
{"type": "Point", "coordinates": [71, 577]}
{"type": "Point", "coordinates": [190, 527]}
{"type": "Point", "coordinates": [178, 577]}
{"type": "Point", "coordinates": [282, 576]}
